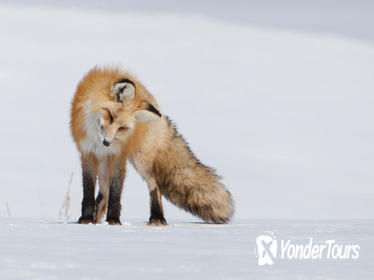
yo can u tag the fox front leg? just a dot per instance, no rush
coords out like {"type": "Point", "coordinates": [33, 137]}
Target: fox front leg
{"type": "Point", "coordinates": [89, 172]}
{"type": "Point", "coordinates": [114, 203]}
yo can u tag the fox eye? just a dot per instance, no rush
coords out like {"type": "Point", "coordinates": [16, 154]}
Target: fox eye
{"type": "Point", "coordinates": [122, 128]}
{"type": "Point", "coordinates": [109, 115]}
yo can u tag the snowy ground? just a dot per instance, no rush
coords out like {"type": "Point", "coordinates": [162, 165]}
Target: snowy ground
{"type": "Point", "coordinates": [280, 102]}
{"type": "Point", "coordinates": [46, 249]}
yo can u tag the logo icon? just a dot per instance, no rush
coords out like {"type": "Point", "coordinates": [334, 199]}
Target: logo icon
{"type": "Point", "coordinates": [266, 249]}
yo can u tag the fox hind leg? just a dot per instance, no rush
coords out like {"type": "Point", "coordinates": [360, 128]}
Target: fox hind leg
{"type": "Point", "coordinates": [157, 213]}
{"type": "Point", "coordinates": [102, 197]}
{"type": "Point", "coordinates": [101, 206]}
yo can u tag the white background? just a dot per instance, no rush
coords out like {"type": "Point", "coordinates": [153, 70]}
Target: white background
{"type": "Point", "coordinates": [283, 113]}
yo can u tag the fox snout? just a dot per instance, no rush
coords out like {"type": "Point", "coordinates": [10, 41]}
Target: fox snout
{"type": "Point", "coordinates": [108, 134]}
{"type": "Point", "coordinates": [106, 143]}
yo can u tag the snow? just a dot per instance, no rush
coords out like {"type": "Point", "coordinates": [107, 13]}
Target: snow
{"type": "Point", "coordinates": [50, 249]}
{"type": "Point", "coordinates": [281, 108]}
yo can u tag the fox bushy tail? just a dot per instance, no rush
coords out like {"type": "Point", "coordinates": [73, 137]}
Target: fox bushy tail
{"type": "Point", "coordinates": [188, 183]}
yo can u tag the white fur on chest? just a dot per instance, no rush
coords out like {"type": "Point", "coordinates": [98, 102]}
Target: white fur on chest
{"type": "Point", "coordinates": [90, 146]}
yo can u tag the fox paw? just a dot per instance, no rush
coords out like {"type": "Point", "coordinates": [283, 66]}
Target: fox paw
{"type": "Point", "coordinates": [86, 220]}
{"type": "Point", "coordinates": [113, 221]}
{"type": "Point", "coordinates": [157, 221]}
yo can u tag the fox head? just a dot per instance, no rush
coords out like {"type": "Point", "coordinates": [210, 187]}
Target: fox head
{"type": "Point", "coordinates": [115, 117]}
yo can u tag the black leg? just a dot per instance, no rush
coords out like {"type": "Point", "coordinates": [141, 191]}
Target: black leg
{"type": "Point", "coordinates": [99, 199]}
{"type": "Point", "coordinates": [157, 213]}
{"type": "Point", "coordinates": [114, 204]}
{"type": "Point", "coordinates": [88, 202]}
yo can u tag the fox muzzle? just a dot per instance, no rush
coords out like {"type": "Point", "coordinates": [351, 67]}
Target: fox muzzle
{"type": "Point", "coordinates": [106, 143]}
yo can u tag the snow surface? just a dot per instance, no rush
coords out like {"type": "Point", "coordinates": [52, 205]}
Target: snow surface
{"type": "Point", "coordinates": [284, 115]}
{"type": "Point", "coordinates": [47, 249]}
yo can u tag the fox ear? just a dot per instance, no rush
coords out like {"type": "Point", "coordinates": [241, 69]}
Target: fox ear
{"type": "Point", "coordinates": [123, 90]}
{"type": "Point", "coordinates": [149, 113]}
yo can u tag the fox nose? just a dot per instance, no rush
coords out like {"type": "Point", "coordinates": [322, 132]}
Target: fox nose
{"type": "Point", "coordinates": [106, 143]}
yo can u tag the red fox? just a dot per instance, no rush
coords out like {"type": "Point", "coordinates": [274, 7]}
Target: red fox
{"type": "Point", "coordinates": [114, 119]}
